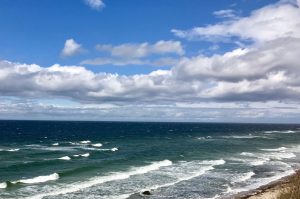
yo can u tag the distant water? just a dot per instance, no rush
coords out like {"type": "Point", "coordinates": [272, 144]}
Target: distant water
{"type": "Point", "coordinates": [113, 160]}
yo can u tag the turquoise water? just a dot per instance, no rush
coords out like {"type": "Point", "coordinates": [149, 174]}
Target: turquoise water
{"type": "Point", "coordinates": [42, 159]}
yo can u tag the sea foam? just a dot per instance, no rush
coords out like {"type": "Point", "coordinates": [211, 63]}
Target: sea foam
{"type": "Point", "coordinates": [103, 179]}
{"type": "Point", "coordinates": [244, 177]}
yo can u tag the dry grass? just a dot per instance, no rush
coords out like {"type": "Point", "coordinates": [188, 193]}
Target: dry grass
{"type": "Point", "coordinates": [292, 191]}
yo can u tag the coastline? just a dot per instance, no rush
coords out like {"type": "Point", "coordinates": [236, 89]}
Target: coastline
{"type": "Point", "coordinates": [271, 190]}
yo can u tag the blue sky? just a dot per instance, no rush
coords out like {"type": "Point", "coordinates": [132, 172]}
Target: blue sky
{"type": "Point", "coordinates": [35, 31]}
{"type": "Point", "coordinates": [170, 60]}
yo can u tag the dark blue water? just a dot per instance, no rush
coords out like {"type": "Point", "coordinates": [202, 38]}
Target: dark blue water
{"type": "Point", "coordinates": [47, 159]}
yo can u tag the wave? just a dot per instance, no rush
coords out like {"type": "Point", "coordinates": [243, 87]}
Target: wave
{"type": "Point", "coordinates": [97, 145]}
{"type": "Point", "coordinates": [114, 149]}
{"type": "Point", "coordinates": [279, 155]}
{"type": "Point", "coordinates": [214, 162]}
{"type": "Point", "coordinates": [12, 150]}
{"type": "Point", "coordinates": [271, 155]}
{"type": "Point", "coordinates": [285, 131]}
{"type": "Point", "coordinates": [277, 149]}
{"type": "Point", "coordinates": [96, 149]}
{"type": "Point", "coordinates": [258, 162]}
{"type": "Point", "coordinates": [3, 185]}
{"type": "Point", "coordinates": [244, 177]}
{"type": "Point", "coordinates": [82, 155]}
{"type": "Point", "coordinates": [85, 142]}
{"type": "Point", "coordinates": [197, 174]}
{"type": "Point", "coordinates": [248, 154]}
{"type": "Point", "coordinates": [64, 158]}
{"type": "Point", "coordinates": [204, 138]}
{"type": "Point", "coordinates": [207, 165]}
{"type": "Point", "coordinates": [39, 179]}
{"type": "Point", "coordinates": [35, 180]}
{"type": "Point", "coordinates": [103, 179]}
{"type": "Point", "coordinates": [250, 136]}
{"type": "Point", "coordinates": [85, 155]}
{"type": "Point", "coordinates": [252, 160]}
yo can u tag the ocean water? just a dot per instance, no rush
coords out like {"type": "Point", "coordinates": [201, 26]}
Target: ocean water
{"type": "Point", "coordinates": [112, 160]}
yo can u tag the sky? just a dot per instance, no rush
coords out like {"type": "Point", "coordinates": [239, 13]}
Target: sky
{"type": "Point", "coordinates": [170, 60]}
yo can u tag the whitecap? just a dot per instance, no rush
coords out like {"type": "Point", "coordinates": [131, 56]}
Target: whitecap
{"type": "Point", "coordinates": [248, 154]}
{"type": "Point", "coordinates": [13, 150]}
{"type": "Point", "coordinates": [114, 149]}
{"type": "Point", "coordinates": [277, 149]}
{"type": "Point", "coordinates": [186, 178]}
{"type": "Point", "coordinates": [257, 162]}
{"type": "Point", "coordinates": [64, 158]}
{"type": "Point", "coordinates": [97, 145]}
{"type": "Point", "coordinates": [85, 142]}
{"type": "Point", "coordinates": [243, 177]}
{"type": "Point", "coordinates": [279, 155]}
{"type": "Point", "coordinates": [270, 132]}
{"type": "Point", "coordinates": [55, 144]}
{"type": "Point", "coordinates": [254, 161]}
{"type": "Point", "coordinates": [3, 185]}
{"type": "Point", "coordinates": [39, 179]}
{"type": "Point", "coordinates": [85, 155]}
{"type": "Point", "coordinates": [250, 136]}
{"type": "Point", "coordinates": [285, 132]}
{"type": "Point", "coordinates": [214, 162]}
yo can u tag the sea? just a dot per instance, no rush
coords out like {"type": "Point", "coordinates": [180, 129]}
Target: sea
{"type": "Point", "coordinates": [118, 160]}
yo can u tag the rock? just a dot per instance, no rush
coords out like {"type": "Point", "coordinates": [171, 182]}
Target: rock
{"type": "Point", "coordinates": [146, 193]}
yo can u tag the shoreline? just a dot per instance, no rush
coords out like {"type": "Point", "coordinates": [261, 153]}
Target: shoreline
{"type": "Point", "coordinates": [271, 190]}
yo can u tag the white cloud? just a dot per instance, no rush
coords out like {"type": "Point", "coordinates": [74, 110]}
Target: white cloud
{"type": "Point", "coordinates": [260, 81]}
{"type": "Point", "coordinates": [95, 4]}
{"type": "Point", "coordinates": [164, 61]}
{"type": "Point", "coordinates": [139, 50]}
{"type": "Point", "coordinates": [229, 13]}
{"type": "Point", "coordinates": [161, 53]}
{"type": "Point", "coordinates": [71, 48]}
{"type": "Point", "coordinates": [265, 24]}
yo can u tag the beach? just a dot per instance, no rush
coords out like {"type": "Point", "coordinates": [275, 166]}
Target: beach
{"type": "Point", "coordinates": [274, 189]}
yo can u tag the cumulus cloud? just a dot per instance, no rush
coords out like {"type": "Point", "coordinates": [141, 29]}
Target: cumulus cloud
{"type": "Point", "coordinates": [265, 24]}
{"type": "Point", "coordinates": [161, 53]}
{"type": "Point", "coordinates": [71, 48]}
{"type": "Point", "coordinates": [134, 50]}
{"type": "Point", "coordinates": [258, 81]}
{"type": "Point", "coordinates": [95, 4]}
